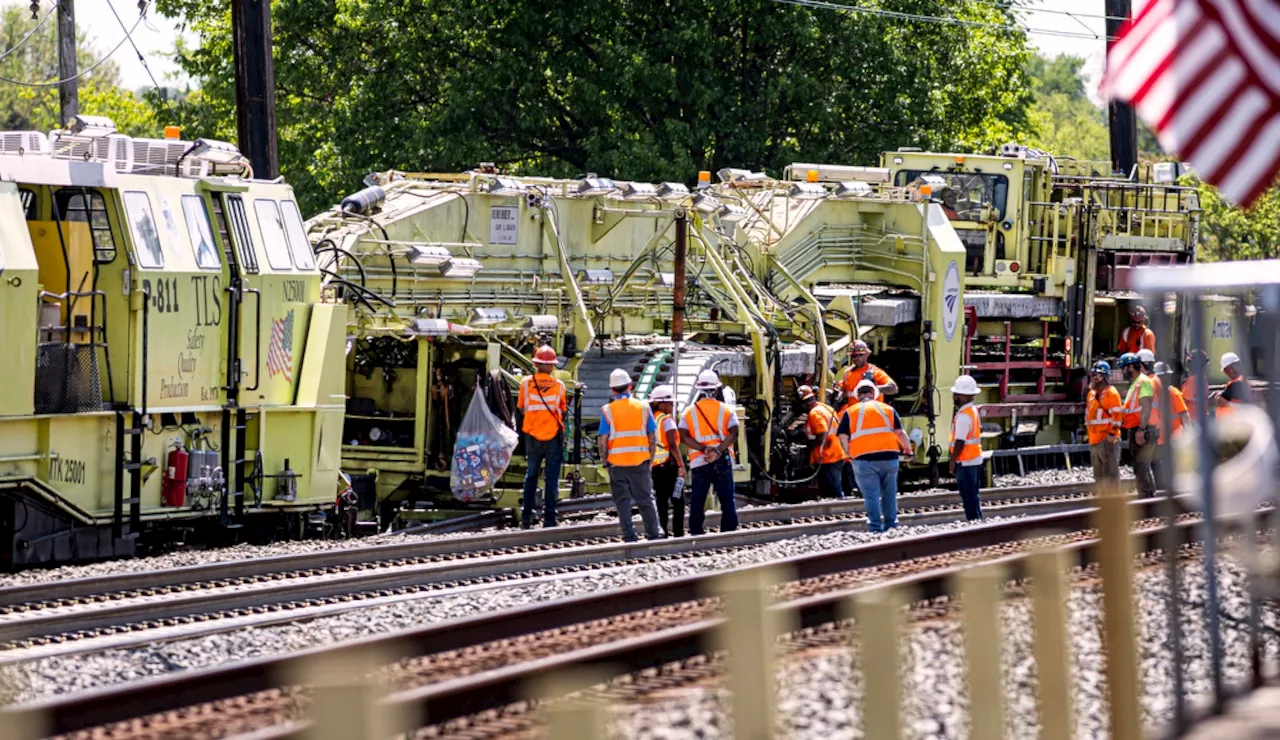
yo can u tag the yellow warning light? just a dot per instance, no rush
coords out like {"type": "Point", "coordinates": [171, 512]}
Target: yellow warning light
{"type": "Point", "coordinates": [704, 176]}
{"type": "Point", "coordinates": [811, 176]}
{"type": "Point", "coordinates": [926, 191]}
{"type": "Point", "coordinates": [173, 132]}
{"type": "Point", "coordinates": [960, 159]}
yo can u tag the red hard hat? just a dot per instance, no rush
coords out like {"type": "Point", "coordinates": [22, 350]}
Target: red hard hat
{"type": "Point", "coordinates": [545, 355]}
{"type": "Point", "coordinates": [859, 347]}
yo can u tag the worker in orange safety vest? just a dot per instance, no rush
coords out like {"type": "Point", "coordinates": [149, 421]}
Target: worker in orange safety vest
{"type": "Point", "coordinates": [966, 445]}
{"type": "Point", "coordinates": [543, 403]}
{"type": "Point", "coordinates": [825, 450]}
{"type": "Point", "coordinates": [1104, 415]}
{"type": "Point", "coordinates": [1136, 336]}
{"type": "Point", "coordinates": [872, 432]}
{"type": "Point", "coordinates": [1139, 407]}
{"type": "Point", "coordinates": [627, 445]}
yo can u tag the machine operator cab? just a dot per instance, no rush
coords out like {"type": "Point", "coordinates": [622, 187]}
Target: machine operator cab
{"type": "Point", "coordinates": [988, 199]}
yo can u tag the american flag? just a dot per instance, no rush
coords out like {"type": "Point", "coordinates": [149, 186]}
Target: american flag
{"type": "Point", "coordinates": [280, 350]}
{"type": "Point", "coordinates": [1205, 76]}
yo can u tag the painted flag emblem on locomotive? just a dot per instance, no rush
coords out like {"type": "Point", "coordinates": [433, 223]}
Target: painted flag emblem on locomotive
{"type": "Point", "coordinates": [280, 351]}
{"type": "Point", "coordinates": [1205, 75]}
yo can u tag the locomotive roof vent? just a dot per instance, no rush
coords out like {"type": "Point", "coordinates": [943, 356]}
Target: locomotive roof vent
{"type": "Point", "coordinates": [24, 142]}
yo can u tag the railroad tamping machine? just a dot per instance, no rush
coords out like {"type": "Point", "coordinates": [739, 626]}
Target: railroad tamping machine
{"type": "Point", "coordinates": [455, 278]}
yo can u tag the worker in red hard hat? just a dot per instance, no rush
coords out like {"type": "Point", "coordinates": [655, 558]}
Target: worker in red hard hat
{"type": "Point", "coordinates": [1136, 336]}
{"type": "Point", "coordinates": [859, 369]}
{"type": "Point", "coordinates": [543, 403]}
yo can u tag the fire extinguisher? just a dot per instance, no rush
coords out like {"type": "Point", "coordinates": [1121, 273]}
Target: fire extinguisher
{"type": "Point", "coordinates": [173, 489]}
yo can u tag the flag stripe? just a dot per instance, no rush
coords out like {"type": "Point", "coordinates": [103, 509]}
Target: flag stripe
{"type": "Point", "coordinates": [1205, 75]}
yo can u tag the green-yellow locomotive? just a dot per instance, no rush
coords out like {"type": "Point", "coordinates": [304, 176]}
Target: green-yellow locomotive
{"type": "Point", "coordinates": [169, 362]}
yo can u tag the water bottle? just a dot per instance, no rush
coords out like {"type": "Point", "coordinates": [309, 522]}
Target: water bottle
{"type": "Point", "coordinates": [678, 492]}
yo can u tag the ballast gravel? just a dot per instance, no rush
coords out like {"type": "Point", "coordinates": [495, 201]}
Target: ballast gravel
{"type": "Point", "coordinates": [205, 556]}
{"type": "Point", "coordinates": [820, 694]}
{"type": "Point", "coordinates": [56, 675]}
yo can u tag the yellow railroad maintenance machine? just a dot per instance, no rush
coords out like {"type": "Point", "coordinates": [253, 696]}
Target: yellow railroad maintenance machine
{"type": "Point", "coordinates": [169, 365]}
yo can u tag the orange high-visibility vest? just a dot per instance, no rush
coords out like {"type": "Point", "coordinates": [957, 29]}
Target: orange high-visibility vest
{"type": "Point", "coordinates": [1132, 411]}
{"type": "Point", "coordinates": [661, 452]}
{"type": "Point", "coordinates": [871, 429]}
{"type": "Point", "coordinates": [1132, 341]}
{"type": "Point", "coordinates": [822, 420]}
{"type": "Point", "coordinates": [1189, 395]}
{"type": "Point", "coordinates": [542, 399]}
{"type": "Point", "coordinates": [1177, 405]}
{"type": "Point", "coordinates": [708, 422]}
{"type": "Point", "coordinates": [852, 377]}
{"type": "Point", "coordinates": [972, 440]}
{"type": "Point", "coordinates": [628, 442]}
{"type": "Point", "coordinates": [1103, 416]}
{"type": "Point", "coordinates": [1157, 393]}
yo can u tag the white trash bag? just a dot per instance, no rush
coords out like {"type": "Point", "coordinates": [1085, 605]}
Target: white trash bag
{"type": "Point", "coordinates": [482, 451]}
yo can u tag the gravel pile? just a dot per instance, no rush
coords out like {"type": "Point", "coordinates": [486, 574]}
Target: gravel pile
{"type": "Point", "coordinates": [819, 695]}
{"type": "Point", "coordinates": [65, 674]}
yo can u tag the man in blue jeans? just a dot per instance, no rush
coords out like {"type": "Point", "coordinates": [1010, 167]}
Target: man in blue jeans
{"type": "Point", "coordinates": [710, 429]}
{"type": "Point", "coordinates": [543, 403]}
{"type": "Point", "coordinates": [873, 434]}
{"type": "Point", "coordinates": [966, 445]}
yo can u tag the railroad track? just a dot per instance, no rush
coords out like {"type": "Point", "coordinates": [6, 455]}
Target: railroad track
{"type": "Point", "coordinates": [102, 615]}
{"type": "Point", "coordinates": [247, 685]}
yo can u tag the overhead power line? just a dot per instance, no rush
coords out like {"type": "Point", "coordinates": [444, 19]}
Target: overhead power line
{"type": "Point", "coordinates": [940, 20]}
{"type": "Point", "coordinates": [142, 14]}
{"type": "Point", "coordinates": [26, 37]}
{"type": "Point", "coordinates": [81, 73]}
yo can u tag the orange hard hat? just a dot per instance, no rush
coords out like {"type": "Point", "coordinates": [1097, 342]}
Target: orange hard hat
{"type": "Point", "coordinates": [545, 355]}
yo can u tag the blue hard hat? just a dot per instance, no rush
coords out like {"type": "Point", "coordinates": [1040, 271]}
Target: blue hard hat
{"type": "Point", "coordinates": [1128, 358]}
{"type": "Point", "coordinates": [1101, 366]}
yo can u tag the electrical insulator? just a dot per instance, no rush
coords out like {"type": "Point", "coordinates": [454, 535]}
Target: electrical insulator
{"type": "Point", "coordinates": [35, 9]}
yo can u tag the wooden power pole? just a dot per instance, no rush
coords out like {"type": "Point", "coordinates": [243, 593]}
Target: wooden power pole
{"type": "Point", "coordinates": [255, 86]}
{"type": "Point", "coordinates": [68, 91]}
{"type": "Point", "coordinates": [1124, 123]}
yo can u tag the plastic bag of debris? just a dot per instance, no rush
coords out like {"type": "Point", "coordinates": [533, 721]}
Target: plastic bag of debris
{"type": "Point", "coordinates": [481, 453]}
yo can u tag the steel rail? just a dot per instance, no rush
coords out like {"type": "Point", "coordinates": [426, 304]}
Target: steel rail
{"type": "Point", "coordinates": [377, 582]}
{"type": "Point", "coordinates": [465, 696]}
{"type": "Point", "coordinates": [137, 699]}
{"type": "Point", "coordinates": [454, 547]}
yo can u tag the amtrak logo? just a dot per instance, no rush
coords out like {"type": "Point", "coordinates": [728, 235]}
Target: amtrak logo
{"type": "Point", "coordinates": [951, 301]}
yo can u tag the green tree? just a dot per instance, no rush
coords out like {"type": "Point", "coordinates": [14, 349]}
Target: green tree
{"type": "Point", "coordinates": [1231, 233]}
{"type": "Point", "coordinates": [34, 59]}
{"type": "Point", "coordinates": [642, 89]}
{"type": "Point", "coordinates": [1064, 121]}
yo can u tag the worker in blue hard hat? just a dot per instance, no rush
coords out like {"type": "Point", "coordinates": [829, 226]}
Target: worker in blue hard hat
{"type": "Point", "coordinates": [1104, 413]}
{"type": "Point", "coordinates": [1139, 422]}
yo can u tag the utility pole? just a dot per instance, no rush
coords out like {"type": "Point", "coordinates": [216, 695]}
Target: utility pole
{"type": "Point", "coordinates": [1124, 124]}
{"type": "Point", "coordinates": [255, 86]}
{"type": "Point", "coordinates": [68, 91]}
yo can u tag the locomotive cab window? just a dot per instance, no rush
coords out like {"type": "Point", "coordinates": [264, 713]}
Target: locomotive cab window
{"type": "Point", "coordinates": [201, 232]}
{"type": "Point", "coordinates": [271, 225]}
{"type": "Point", "coordinates": [88, 206]}
{"type": "Point", "coordinates": [142, 225]}
{"type": "Point", "coordinates": [240, 227]}
{"type": "Point", "coordinates": [298, 244]}
{"type": "Point", "coordinates": [28, 199]}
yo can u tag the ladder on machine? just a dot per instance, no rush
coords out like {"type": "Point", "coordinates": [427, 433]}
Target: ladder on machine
{"type": "Point", "coordinates": [126, 521]}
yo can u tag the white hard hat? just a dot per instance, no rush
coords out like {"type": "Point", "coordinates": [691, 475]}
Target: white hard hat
{"type": "Point", "coordinates": [708, 379]}
{"type": "Point", "coordinates": [619, 378]}
{"type": "Point", "coordinates": [865, 384]}
{"type": "Point", "coordinates": [966, 386]}
{"type": "Point", "coordinates": [1229, 359]}
{"type": "Point", "coordinates": [1146, 356]}
{"type": "Point", "coordinates": [662, 394]}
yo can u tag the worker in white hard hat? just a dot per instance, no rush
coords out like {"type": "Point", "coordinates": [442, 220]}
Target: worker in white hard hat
{"type": "Point", "coordinates": [627, 445]}
{"type": "Point", "coordinates": [709, 428]}
{"type": "Point", "coordinates": [825, 450]}
{"type": "Point", "coordinates": [1237, 390]}
{"type": "Point", "coordinates": [966, 445]}
{"type": "Point", "coordinates": [873, 435]}
{"type": "Point", "coordinates": [542, 403]}
{"type": "Point", "coordinates": [668, 463]}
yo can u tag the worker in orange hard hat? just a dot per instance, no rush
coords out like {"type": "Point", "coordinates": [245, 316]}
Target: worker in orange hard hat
{"type": "Point", "coordinates": [543, 403]}
{"type": "Point", "coordinates": [1136, 336]}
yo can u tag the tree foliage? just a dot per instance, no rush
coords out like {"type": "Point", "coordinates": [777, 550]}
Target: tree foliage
{"type": "Point", "coordinates": [1231, 233]}
{"type": "Point", "coordinates": [36, 60]}
{"type": "Point", "coordinates": [640, 89]}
